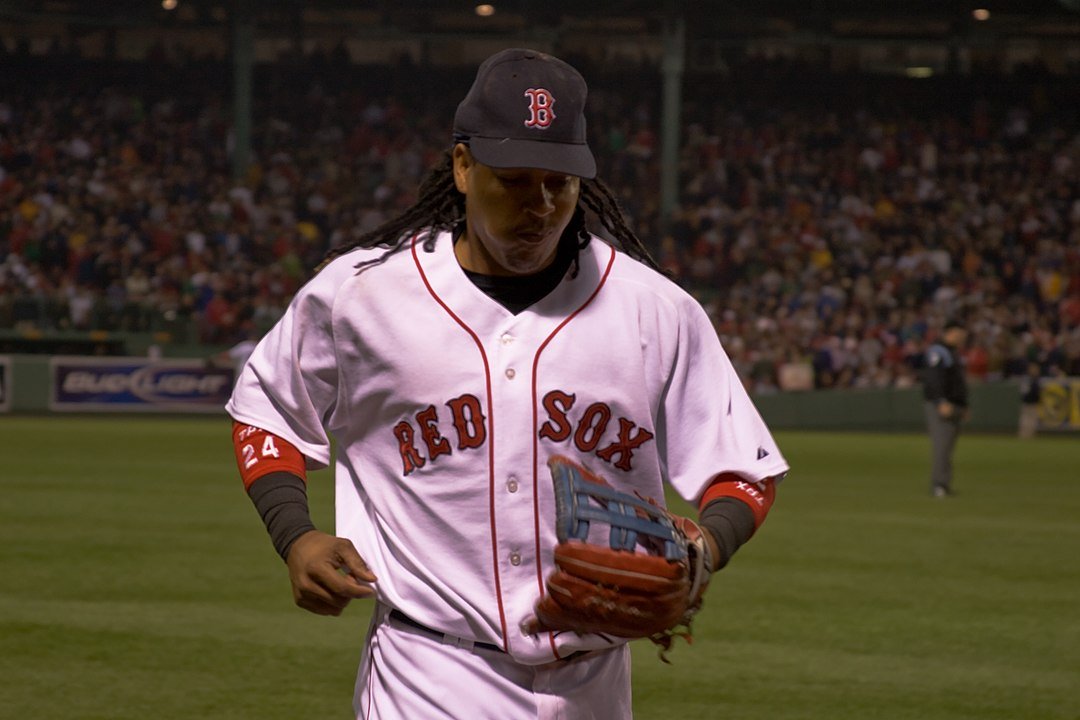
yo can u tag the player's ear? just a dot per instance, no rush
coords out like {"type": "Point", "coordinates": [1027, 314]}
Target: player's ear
{"type": "Point", "coordinates": [463, 161]}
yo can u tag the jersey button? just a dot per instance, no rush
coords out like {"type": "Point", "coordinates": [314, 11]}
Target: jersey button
{"type": "Point", "coordinates": [512, 485]}
{"type": "Point", "coordinates": [515, 559]}
{"type": "Point", "coordinates": [507, 338]}
{"type": "Point", "coordinates": [510, 373]}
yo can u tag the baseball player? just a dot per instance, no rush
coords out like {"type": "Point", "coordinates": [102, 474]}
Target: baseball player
{"type": "Point", "coordinates": [449, 355]}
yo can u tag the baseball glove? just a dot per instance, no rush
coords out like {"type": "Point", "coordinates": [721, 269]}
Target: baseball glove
{"type": "Point", "coordinates": [647, 581]}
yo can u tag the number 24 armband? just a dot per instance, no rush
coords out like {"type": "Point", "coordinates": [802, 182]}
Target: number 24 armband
{"type": "Point", "coordinates": [259, 453]}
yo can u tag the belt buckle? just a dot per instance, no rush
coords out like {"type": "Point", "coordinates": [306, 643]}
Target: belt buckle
{"type": "Point", "coordinates": [463, 643]}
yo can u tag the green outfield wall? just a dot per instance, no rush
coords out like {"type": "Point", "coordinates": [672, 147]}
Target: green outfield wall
{"type": "Point", "coordinates": [995, 407]}
{"type": "Point", "coordinates": [38, 383]}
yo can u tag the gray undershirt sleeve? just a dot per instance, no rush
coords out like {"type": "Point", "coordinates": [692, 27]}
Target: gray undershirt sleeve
{"type": "Point", "coordinates": [282, 503]}
{"type": "Point", "coordinates": [731, 523]}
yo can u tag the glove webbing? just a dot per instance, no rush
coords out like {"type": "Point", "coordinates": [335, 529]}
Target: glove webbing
{"type": "Point", "coordinates": [621, 512]}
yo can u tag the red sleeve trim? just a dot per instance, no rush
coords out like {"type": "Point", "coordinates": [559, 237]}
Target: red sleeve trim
{"type": "Point", "coordinates": [758, 495]}
{"type": "Point", "coordinates": [259, 453]}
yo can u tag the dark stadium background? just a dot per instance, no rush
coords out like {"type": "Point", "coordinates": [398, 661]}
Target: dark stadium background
{"type": "Point", "coordinates": [200, 156]}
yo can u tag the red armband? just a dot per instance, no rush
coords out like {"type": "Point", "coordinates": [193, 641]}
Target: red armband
{"type": "Point", "coordinates": [259, 453]}
{"type": "Point", "coordinates": [758, 495]}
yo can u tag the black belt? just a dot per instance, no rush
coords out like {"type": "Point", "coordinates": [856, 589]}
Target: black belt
{"type": "Point", "coordinates": [440, 636]}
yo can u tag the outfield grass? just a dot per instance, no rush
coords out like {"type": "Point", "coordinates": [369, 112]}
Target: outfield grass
{"type": "Point", "coordinates": [136, 582]}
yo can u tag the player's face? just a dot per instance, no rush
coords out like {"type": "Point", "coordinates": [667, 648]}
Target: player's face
{"type": "Point", "coordinates": [514, 216]}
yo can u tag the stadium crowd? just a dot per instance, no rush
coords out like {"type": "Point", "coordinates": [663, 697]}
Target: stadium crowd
{"type": "Point", "coordinates": [830, 233]}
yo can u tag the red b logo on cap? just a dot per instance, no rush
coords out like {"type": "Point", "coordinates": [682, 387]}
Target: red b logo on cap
{"type": "Point", "coordinates": [540, 104]}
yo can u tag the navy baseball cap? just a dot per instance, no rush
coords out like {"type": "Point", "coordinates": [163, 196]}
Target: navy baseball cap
{"type": "Point", "coordinates": [526, 109]}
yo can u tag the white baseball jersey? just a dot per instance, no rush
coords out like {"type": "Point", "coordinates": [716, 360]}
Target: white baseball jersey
{"type": "Point", "coordinates": [445, 408]}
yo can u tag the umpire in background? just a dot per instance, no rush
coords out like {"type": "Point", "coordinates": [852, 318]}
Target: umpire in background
{"type": "Point", "coordinates": [946, 395]}
{"type": "Point", "coordinates": [1030, 397]}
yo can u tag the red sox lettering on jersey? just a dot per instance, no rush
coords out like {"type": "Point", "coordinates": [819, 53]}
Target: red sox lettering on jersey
{"type": "Point", "coordinates": [586, 430]}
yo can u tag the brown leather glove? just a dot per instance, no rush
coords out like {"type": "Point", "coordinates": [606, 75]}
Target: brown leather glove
{"type": "Point", "coordinates": [647, 582]}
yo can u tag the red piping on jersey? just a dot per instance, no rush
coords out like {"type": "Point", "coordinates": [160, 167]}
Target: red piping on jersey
{"type": "Point", "coordinates": [491, 442]}
{"type": "Point", "coordinates": [536, 432]}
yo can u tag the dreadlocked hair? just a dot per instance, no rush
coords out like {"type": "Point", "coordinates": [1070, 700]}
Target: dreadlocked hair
{"type": "Point", "coordinates": [598, 198]}
{"type": "Point", "coordinates": [440, 206]}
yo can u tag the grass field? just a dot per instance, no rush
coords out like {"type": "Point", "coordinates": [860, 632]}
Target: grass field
{"type": "Point", "coordinates": [136, 582]}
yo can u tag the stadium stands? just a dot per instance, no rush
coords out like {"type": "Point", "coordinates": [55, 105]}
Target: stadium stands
{"type": "Point", "coordinates": [830, 223]}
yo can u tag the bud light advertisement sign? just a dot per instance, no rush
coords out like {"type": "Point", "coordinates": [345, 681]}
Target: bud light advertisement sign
{"type": "Point", "coordinates": [138, 384]}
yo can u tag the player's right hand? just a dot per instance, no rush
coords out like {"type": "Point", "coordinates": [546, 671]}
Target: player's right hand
{"type": "Point", "coordinates": [327, 573]}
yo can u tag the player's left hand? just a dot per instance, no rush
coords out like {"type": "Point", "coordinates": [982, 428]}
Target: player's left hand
{"type": "Point", "coordinates": [327, 573]}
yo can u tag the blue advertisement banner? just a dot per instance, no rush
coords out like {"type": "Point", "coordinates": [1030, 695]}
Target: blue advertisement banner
{"type": "Point", "coordinates": [138, 384]}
